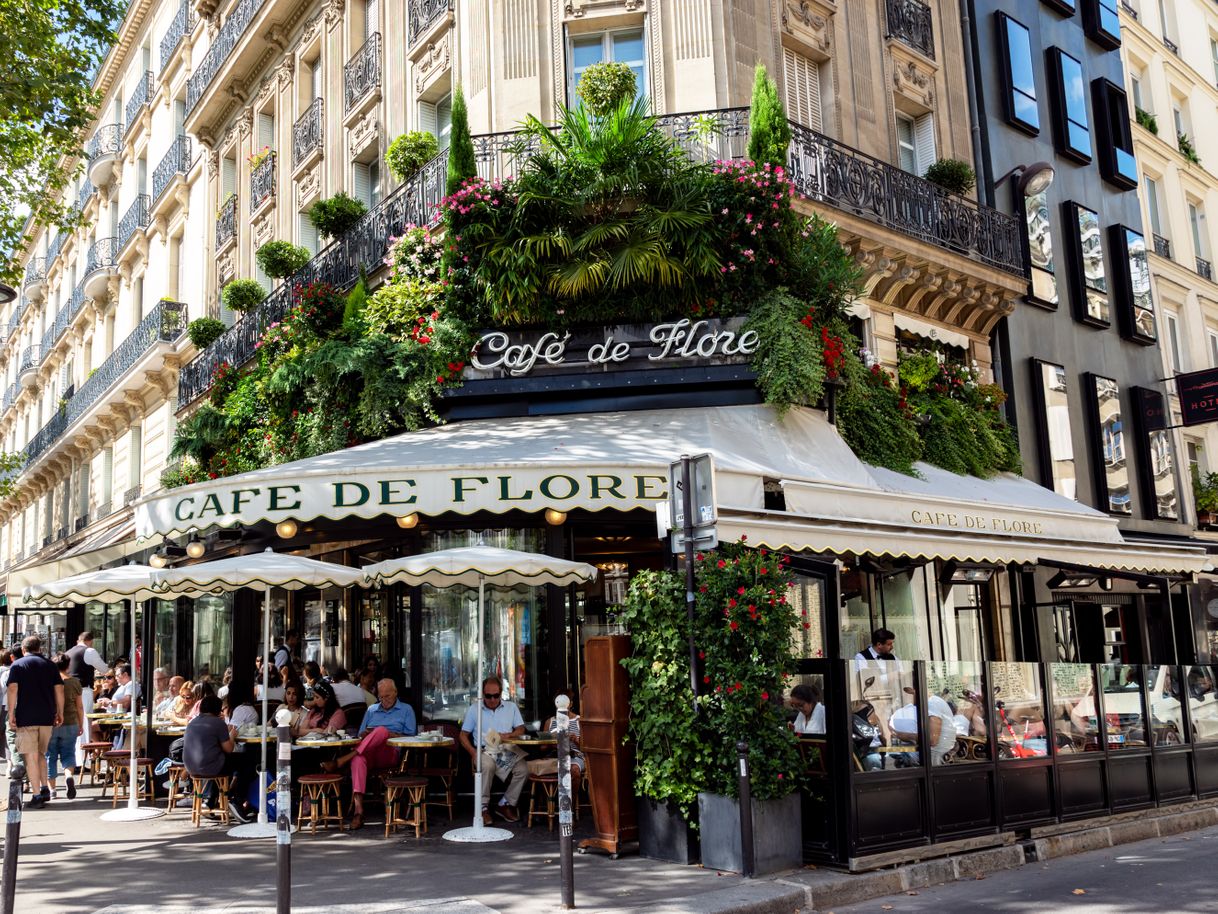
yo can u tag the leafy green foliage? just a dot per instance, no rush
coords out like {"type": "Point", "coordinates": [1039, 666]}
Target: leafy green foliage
{"type": "Point", "coordinates": [409, 152]}
{"type": "Point", "coordinates": [353, 309]}
{"type": "Point", "coordinates": [873, 418]}
{"type": "Point", "coordinates": [203, 331]}
{"type": "Point", "coordinates": [395, 309]}
{"type": "Point", "coordinates": [280, 259]}
{"type": "Point", "coordinates": [461, 162]}
{"type": "Point", "coordinates": [1205, 491]}
{"type": "Point", "coordinates": [952, 175]}
{"type": "Point", "coordinates": [789, 359]}
{"type": "Point", "coordinates": [769, 130]}
{"type": "Point", "coordinates": [242, 295]}
{"type": "Point", "coordinates": [183, 473]}
{"type": "Point", "coordinates": [333, 216]}
{"type": "Point", "coordinates": [604, 86]}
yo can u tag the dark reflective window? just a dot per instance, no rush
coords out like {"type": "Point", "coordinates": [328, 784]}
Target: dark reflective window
{"type": "Point", "coordinates": [1157, 455]}
{"type": "Point", "coordinates": [1065, 7]}
{"type": "Point", "coordinates": [1112, 484]}
{"type": "Point", "coordinates": [1102, 23]}
{"type": "Point", "coordinates": [1075, 715]}
{"type": "Point", "coordinates": [1131, 284]}
{"type": "Point", "coordinates": [1117, 163]}
{"type": "Point", "coordinates": [1072, 132]}
{"type": "Point", "coordinates": [1040, 249]}
{"type": "Point", "coordinates": [1015, 46]}
{"type": "Point", "coordinates": [1056, 437]}
{"type": "Point", "coordinates": [1087, 269]}
{"type": "Point", "coordinates": [1124, 709]}
{"type": "Point", "coordinates": [1166, 706]}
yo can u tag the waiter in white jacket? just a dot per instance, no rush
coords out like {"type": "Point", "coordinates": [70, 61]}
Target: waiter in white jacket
{"type": "Point", "coordinates": [84, 662]}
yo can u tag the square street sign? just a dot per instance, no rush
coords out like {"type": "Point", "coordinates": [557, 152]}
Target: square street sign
{"type": "Point", "coordinates": [702, 479]}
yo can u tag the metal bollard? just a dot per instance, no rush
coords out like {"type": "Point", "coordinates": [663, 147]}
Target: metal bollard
{"type": "Point", "coordinates": [746, 813]}
{"type": "Point", "coordinates": [565, 817]}
{"type": "Point", "coordinates": [12, 839]}
{"type": "Point", "coordinates": [283, 816]}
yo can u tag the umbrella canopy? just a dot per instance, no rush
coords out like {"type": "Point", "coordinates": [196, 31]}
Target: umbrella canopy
{"type": "Point", "coordinates": [262, 569]}
{"type": "Point", "coordinates": [472, 565]}
{"type": "Point", "coordinates": [110, 585]}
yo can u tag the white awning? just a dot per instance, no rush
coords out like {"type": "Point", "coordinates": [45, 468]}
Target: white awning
{"type": "Point", "coordinates": [834, 502]}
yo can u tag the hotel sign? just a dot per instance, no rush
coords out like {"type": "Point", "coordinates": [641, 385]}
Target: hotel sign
{"type": "Point", "coordinates": [1198, 392]}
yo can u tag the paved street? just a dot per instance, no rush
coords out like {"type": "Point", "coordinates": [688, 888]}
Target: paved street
{"type": "Point", "coordinates": [1165, 874]}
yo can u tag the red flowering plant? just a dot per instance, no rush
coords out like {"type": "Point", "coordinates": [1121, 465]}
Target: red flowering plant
{"type": "Point", "coordinates": [745, 628]}
{"type": "Point", "coordinates": [319, 307]}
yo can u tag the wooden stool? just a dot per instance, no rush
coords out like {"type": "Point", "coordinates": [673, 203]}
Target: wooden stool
{"type": "Point", "coordinates": [411, 791]}
{"type": "Point", "coordinates": [549, 785]}
{"type": "Point", "coordinates": [122, 778]}
{"type": "Point", "coordinates": [198, 786]}
{"type": "Point", "coordinates": [322, 793]}
{"type": "Point", "coordinates": [177, 781]}
{"type": "Point", "coordinates": [111, 757]}
{"type": "Point", "coordinates": [93, 759]}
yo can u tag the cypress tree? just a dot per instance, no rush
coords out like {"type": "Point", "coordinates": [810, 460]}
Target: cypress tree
{"type": "Point", "coordinates": [461, 163]}
{"type": "Point", "coordinates": [769, 132]}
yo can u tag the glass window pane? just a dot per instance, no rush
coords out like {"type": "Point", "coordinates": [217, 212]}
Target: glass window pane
{"type": "Point", "coordinates": [1075, 719]}
{"type": "Point", "coordinates": [1091, 244]}
{"type": "Point", "coordinates": [1111, 426]}
{"type": "Point", "coordinates": [1019, 709]}
{"type": "Point", "coordinates": [1159, 453]}
{"type": "Point", "coordinates": [213, 628]}
{"type": "Point", "coordinates": [808, 599]}
{"type": "Point", "coordinates": [1025, 108]}
{"type": "Point", "coordinates": [805, 698]}
{"type": "Point", "coordinates": [1139, 285]}
{"type": "Point", "coordinates": [587, 50]}
{"type": "Point", "coordinates": [857, 619]}
{"type": "Point", "coordinates": [904, 604]}
{"type": "Point", "coordinates": [1059, 440]}
{"type": "Point", "coordinates": [884, 713]}
{"type": "Point", "coordinates": [628, 48]}
{"type": "Point", "coordinates": [956, 718]}
{"type": "Point", "coordinates": [1166, 712]}
{"type": "Point", "coordinates": [1074, 90]}
{"type": "Point", "coordinates": [1202, 703]}
{"type": "Point", "coordinates": [1019, 45]}
{"type": "Point", "coordinates": [1124, 711]}
{"type": "Point", "coordinates": [1040, 248]}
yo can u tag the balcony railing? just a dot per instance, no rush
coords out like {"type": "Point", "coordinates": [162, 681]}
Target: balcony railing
{"type": "Point", "coordinates": [82, 522]}
{"type": "Point", "coordinates": [63, 320]}
{"type": "Point", "coordinates": [1128, 8]}
{"type": "Point", "coordinates": [421, 15]}
{"type": "Point", "coordinates": [30, 358]}
{"type": "Point", "coordinates": [133, 220]}
{"type": "Point", "coordinates": [262, 181]}
{"type": "Point", "coordinates": [910, 21]}
{"type": "Point", "coordinates": [35, 270]}
{"type": "Point", "coordinates": [307, 132]}
{"type": "Point", "coordinates": [163, 324]}
{"type": "Point", "coordinates": [14, 320]}
{"type": "Point", "coordinates": [226, 222]}
{"type": "Point", "coordinates": [102, 255]}
{"type": "Point", "coordinates": [131, 495]}
{"type": "Point", "coordinates": [139, 98]}
{"type": "Point", "coordinates": [1162, 246]}
{"type": "Point", "coordinates": [1204, 268]}
{"type": "Point", "coordinates": [11, 393]}
{"type": "Point", "coordinates": [1171, 46]}
{"type": "Point", "coordinates": [82, 197]}
{"type": "Point", "coordinates": [362, 74]}
{"type": "Point", "coordinates": [226, 40]}
{"type": "Point", "coordinates": [822, 169]}
{"type": "Point", "coordinates": [176, 162]}
{"type": "Point", "coordinates": [181, 26]}
{"type": "Point", "coordinates": [107, 141]}
{"type": "Point", "coordinates": [56, 246]}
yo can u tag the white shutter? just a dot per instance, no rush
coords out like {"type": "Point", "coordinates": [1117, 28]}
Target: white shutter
{"type": "Point", "coordinates": [802, 78]}
{"type": "Point", "coordinates": [106, 496]}
{"type": "Point", "coordinates": [924, 143]}
{"type": "Point", "coordinates": [427, 118]}
{"type": "Point", "coordinates": [374, 183]}
{"type": "Point", "coordinates": [135, 457]}
{"type": "Point", "coordinates": [372, 17]}
{"type": "Point", "coordinates": [315, 79]}
{"type": "Point", "coordinates": [266, 130]}
{"type": "Point", "coordinates": [308, 234]}
{"type": "Point", "coordinates": [228, 178]}
{"type": "Point", "coordinates": [361, 185]}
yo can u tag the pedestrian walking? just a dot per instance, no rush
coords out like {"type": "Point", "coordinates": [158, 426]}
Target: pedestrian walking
{"type": "Point", "coordinates": [62, 750]}
{"type": "Point", "coordinates": [35, 704]}
{"type": "Point", "coordinates": [11, 656]}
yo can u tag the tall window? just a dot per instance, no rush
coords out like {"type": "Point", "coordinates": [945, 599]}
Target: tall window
{"type": "Point", "coordinates": [599, 47]}
{"type": "Point", "coordinates": [1196, 225]}
{"type": "Point", "coordinates": [1214, 56]}
{"type": "Point", "coordinates": [308, 233]}
{"type": "Point", "coordinates": [1056, 434]}
{"type": "Point", "coordinates": [801, 75]}
{"type": "Point", "coordinates": [366, 182]}
{"type": "Point", "coordinates": [1112, 484]}
{"type": "Point", "coordinates": [1171, 327]}
{"type": "Point", "coordinates": [1015, 47]}
{"type": "Point", "coordinates": [1040, 250]}
{"type": "Point", "coordinates": [1152, 203]}
{"type": "Point", "coordinates": [1135, 89]}
{"type": "Point", "coordinates": [1131, 284]}
{"type": "Point", "coordinates": [1212, 339]}
{"type": "Point", "coordinates": [437, 118]}
{"type": "Point", "coordinates": [372, 19]}
{"type": "Point", "coordinates": [1072, 132]}
{"type": "Point", "coordinates": [915, 143]}
{"type": "Point", "coordinates": [1157, 455]}
{"type": "Point", "coordinates": [1102, 23]}
{"type": "Point", "coordinates": [1087, 270]}
{"type": "Point", "coordinates": [1115, 137]}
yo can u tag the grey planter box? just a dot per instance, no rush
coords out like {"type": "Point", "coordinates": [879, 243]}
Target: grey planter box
{"type": "Point", "coordinates": [777, 833]}
{"type": "Point", "coordinates": [664, 833]}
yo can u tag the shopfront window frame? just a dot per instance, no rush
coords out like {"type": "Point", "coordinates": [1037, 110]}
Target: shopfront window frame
{"type": "Point", "coordinates": [1085, 246]}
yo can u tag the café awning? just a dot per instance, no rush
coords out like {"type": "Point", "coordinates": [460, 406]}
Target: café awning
{"type": "Point", "coordinates": [833, 501]}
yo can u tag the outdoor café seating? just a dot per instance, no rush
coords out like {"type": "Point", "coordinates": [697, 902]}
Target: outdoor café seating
{"type": "Point", "coordinates": [199, 785]}
{"type": "Point", "coordinates": [320, 801]}
{"type": "Point", "coordinates": [176, 779]}
{"type": "Point", "coordinates": [408, 792]}
{"type": "Point", "coordinates": [94, 753]}
{"type": "Point", "coordinates": [143, 783]}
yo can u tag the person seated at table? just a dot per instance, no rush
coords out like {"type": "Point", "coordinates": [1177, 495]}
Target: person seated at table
{"type": "Point", "coordinates": [346, 691]}
{"type": "Point", "coordinates": [160, 687]}
{"type": "Point", "coordinates": [107, 684]}
{"type": "Point", "coordinates": [209, 750]}
{"type": "Point", "coordinates": [368, 686]}
{"type": "Point", "coordinates": [166, 701]}
{"type": "Point", "coordinates": [941, 735]}
{"type": "Point", "coordinates": [311, 674]}
{"type": "Point", "coordinates": [292, 694]}
{"type": "Point", "coordinates": [551, 727]}
{"type": "Point", "coordinates": [810, 720]}
{"type": "Point", "coordinates": [384, 720]}
{"type": "Point", "coordinates": [274, 690]}
{"type": "Point", "coordinates": [239, 708]}
{"type": "Point", "coordinates": [323, 715]}
{"type": "Point", "coordinates": [186, 708]}
{"type": "Point", "coordinates": [502, 719]}
{"type": "Point", "coordinates": [128, 690]}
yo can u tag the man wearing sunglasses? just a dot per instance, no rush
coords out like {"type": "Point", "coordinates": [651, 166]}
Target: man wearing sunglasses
{"type": "Point", "coordinates": [503, 719]}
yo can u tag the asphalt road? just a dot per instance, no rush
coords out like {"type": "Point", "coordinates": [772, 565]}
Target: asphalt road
{"type": "Point", "coordinates": [1164, 874]}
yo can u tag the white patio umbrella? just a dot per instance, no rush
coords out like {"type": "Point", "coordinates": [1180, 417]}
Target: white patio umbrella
{"type": "Point", "coordinates": [475, 566]}
{"type": "Point", "coordinates": [110, 585]}
{"type": "Point", "coordinates": [266, 570]}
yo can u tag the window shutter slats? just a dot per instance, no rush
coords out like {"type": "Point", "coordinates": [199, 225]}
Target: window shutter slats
{"type": "Point", "coordinates": [924, 143]}
{"type": "Point", "coordinates": [802, 77]}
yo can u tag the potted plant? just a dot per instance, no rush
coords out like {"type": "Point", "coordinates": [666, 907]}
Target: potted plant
{"type": "Point", "coordinates": [242, 295]}
{"type": "Point", "coordinates": [953, 175]}
{"type": "Point", "coordinates": [409, 152]}
{"type": "Point", "coordinates": [1147, 120]}
{"type": "Point", "coordinates": [1205, 496]}
{"type": "Point", "coordinates": [333, 216]}
{"type": "Point", "coordinates": [257, 158]}
{"type": "Point", "coordinates": [203, 331]}
{"type": "Point", "coordinates": [224, 204]}
{"type": "Point", "coordinates": [279, 259]}
{"type": "Point", "coordinates": [603, 86]}
{"type": "Point", "coordinates": [1187, 149]}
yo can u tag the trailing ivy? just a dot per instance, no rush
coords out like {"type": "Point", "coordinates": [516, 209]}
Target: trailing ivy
{"type": "Point", "coordinates": [789, 360]}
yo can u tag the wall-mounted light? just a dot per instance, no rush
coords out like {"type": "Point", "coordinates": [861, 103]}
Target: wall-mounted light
{"type": "Point", "coordinates": [965, 573]}
{"type": "Point", "coordinates": [196, 547]}
{"type": "Point", "coordinates": [555, 518]}
{"type": "Point", "coordinates": [1032, 179]}
{"type": "Point", "coordinates": [166, 554]}
{"type": "Point", "coordinates": [1071, 579]}
{"type": "Point", "coordinates": [408, 521]}
{"type": "Point", "coordinates": [286, 529]}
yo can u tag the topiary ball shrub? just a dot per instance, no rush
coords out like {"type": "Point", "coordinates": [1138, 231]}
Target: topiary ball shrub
{"type": "Point", "coordinates": [603, 86]}
{"type": "Point", "coordinates": [952, 175]}
{"type": "Point", "coordinates": [243, 294]}
{"type": "Point", "coordinates": [410, 152]}
{"type": "Point", "coordinates": [204, 331]}
{"type": "Point", "coordinates": [335, 215]}
{"type": "Point", "coordinates": [281, 258]}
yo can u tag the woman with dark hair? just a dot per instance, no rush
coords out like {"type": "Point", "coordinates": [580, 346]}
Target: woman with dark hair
{"type": "Point", "coordinates": [312, 673]}
{"type": "Point", "coordinates": [239, 708]}
{"type": "Point", "coordinates": [323, 713]}
{"type": "Point", "coordinates": [805, 698]}
{"type": "Point", "coordinates": [293, 696]}
{"type": "Point", "coordinates": [372, 664]}
{"type": "Point", "coordinates": [239, 712]}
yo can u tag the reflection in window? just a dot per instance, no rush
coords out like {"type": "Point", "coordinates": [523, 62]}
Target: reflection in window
{"type": "Point", "coordinates": [955, 713]}
{"type": "Point", "coordinates": [1117, 163]}
{"type": "Point", "coordinates": [857, 623]}
{"type": "Point", "coordinates": [1072, 133]}
{"type": "Point", "coordinates": [1202, 703]}
{"type": "Point", "coordinates": [1040, 249]}
{"type": "Point", "coordinates": [1113, 483]}
{"type": "Point", "coordinates": [1088, 268]}
{"type": "Point", "coordinates": [884, 714]}
{"type": "Point", "coordinates": [1019, 709]}
{"type": "Point", "coordinates": [213, 631]}
{"type": "Point", "coordinates": [1131, 280]}
{"type": "Point", "coordinates": [1057, 442]}
{"type": "Point", "coordinates": [1016, 52]}
{"type": "Point", "coordinates": [906, 611]}
{"type": "Point", "coordinates": [1124, 714]}
{"type": "Point", "coordinates": [808, 599]}
{"type": "Point", "coordinates": [1102, 23]}
{"type": "Point", "coordinates": [1075, 723]}
{"type": "Point", "coordinates": [1158, 454]}
{"type": "Point", "coordinates": [1166, 711]}
{"type": "Point", "coordinates": [805, 702]}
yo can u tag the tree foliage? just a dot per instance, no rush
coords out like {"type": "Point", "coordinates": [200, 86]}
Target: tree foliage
{"type": "Point", "coordinates": [461, 162]}
{"type": "Point", "coordinates": [769, 130]}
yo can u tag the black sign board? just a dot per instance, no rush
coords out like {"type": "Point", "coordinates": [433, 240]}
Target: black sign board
{"type": "Point", "coordinates": [1198, 392]}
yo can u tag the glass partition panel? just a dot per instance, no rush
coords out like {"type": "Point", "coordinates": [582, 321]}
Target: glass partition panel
{"type": "Point", "coordinates": [1166, 714]}
{"type": "Point", "coordinates": [1075, 720]}
{"type": "Point", "coordinates": [906, 611]}
{"type": "Point", "coordinates": [808, 599]}
{"type": "Point", "coordinates": [1124, 708]}
{"type": "Point", "coordinates": [884, 714]}
{"type": "Point", "coordinates": [1019, 710]}
{"type": "Point", "coordinates": [805, 701]}
{"type": "Point", "coordinates": [955, 712]}
{"type": "Point", "coordinates": [213, 636]}
{"type": "Point", "coordinates": [857, 621]}
{"type": "Point", "coordinates": [1202, 703]}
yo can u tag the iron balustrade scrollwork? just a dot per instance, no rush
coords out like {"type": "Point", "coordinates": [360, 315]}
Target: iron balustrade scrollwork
{"type": "Point", "coordinates": [221, 49]}
{"type": "Point", "coordinates": [139, 98]}
{"type": "Point", "coordinates": [262, 181]}
{"type": "Point", "coordinates": [55, 247]}
{"type": "Point", "coordinates": [307, 132]}
{"type": "Point", "coordinates": [82, 522]}
{"type": "Point", "coordinates": [176, 162]}
{"type": "Point", "coordinates": [107, 141]}
{"type": "Point", "coordinates": [1128, 8]}
{"type": "Point", "coordinates": [63, 320]}
{"type": "Point", "coordinates": [1162, 246]}
{"type": "Point", "coordinates": [163, 324]}
{"type": "Point", "coordinates": [181, 26]}
{"type": "Point", "coordinates": [133, 220]}
{"type": "Point", "coordinates": [1204, 268]}
{"type": "Point", "coordinates": [30, 358]}
{"type": "Point", "coordinates": [131, 495]}
{"type": "Point", "coordinates": [102, 255]}
{"type": "Point", "coordinates": [61, 533]}
{"type": "Point", "coordinates": [11, 393]}
{"type": "Point", "coordinates": [1171, 46]}
{"type": "Point", "coordinates": [911, 22]}
{"type": "Point", "coordinates": [226, 222]}
{"type": "Point", "coordinates": [362, 73]}
{"type": "Point", "coordinates": [35, 270]}
{"type": "Point", "coordinates": [82, 197]}
{"type": "Point", "coordinates": [421, 15]}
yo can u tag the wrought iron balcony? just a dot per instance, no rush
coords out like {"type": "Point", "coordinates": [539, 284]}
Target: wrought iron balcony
{"type": "Point", "coordinates": [140, 96]}
{"type": "Point", "coordinates": [307, 132]}
{"type": "Point", "coordinates": [1133, 13]}
{"type": "Point", "coordinates": [421, 15]}
{"type": "Point", "coordinates": [362, 74]}
{"type": "Point", "coordinates": [1205, 269]}
{"type": "Point", "coordinates": [182, 25]}
{"type": "Point", "coordinates": [107, 141]}
{"type": "Point", "coordinates": [163, 324]}
{"type": "Point", "coordinates": [82, 197]}
{"type": "Point", "coordinates": [133, 220]}
{"type": "Point", "coordinates": [911, 22]}
{"type": "Point", "coordinates": [82, 522]}
{"type": "Point", "coordinates": [262, 181]}
{"type": "Point", "coordinates": [101, 255]}
{"type": "Point", "coordinates": [221, 49]}
{"type": "Point", "coordinates": [1162, 246]}
{"type": "Point", "coordinates": [56, 246]}
{"type": "Point", "coordinates": [1171, 46]}
{"type": "Point", "coordinates": [31, 358]}
{"type": "Point", "coordinates": [131, 495]}
{"type": "Point", "coordinates": [61, 533]}
{"type": "Point", "coordinates": [11, 393]}
{"type": "Point", "coordinates": [35, 272]}
{"type": "Point", "coordinates": [63, 320]}
{"type": "Point", "coordinates": [14, 320]}
{"type": "Point", "coordinates": [226, 222]}
{"type": "Point", "coordinates": [176, 162]}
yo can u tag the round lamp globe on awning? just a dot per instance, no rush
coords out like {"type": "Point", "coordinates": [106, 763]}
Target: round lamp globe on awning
{"type": "Point", "coordinates": [196, 547]}
{"type": "Point", "coordinates": [555, 518]}
{"type": "Point", "coordinates": [158, 560]}
{"type": "Point", "coordinates": [408, 521]}
{"type": "Point", "coordinates": [286, 529]}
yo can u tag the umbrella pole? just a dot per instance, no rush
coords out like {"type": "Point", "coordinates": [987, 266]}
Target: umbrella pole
{"type": "Point", "coordinates": [261, 828]}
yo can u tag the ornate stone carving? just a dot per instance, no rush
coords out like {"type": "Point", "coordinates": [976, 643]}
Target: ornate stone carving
{"type": "Point", "coordinates": [265, 88]}
{"type": "Point", "coordinates": [308, 186]}
{"type": "Point", "coordinates": [362, 133]}
{"type": "Point", "coordinates": [213, 164]}
{"type": "Point", "coordinates": [576, 9]}
{"type": "Point", "coordinates": [334, 12]}
{"type": "Point", "coordinates": [245, 122]}
{"type": "Point", "coordinates": [225, 267]}
{"type": "Point", "coordinates": [913, 81]}
{"type": "Point", "coordinates": [434, 61]}
{"type": "Point", "coordinates": [285, 72]}
{"type": "Point", "coordinates": [311, 30]}
{"type": "Point", "coordinates": [809, 22]}
{"type": "Point", "coordinates": [264, 227]}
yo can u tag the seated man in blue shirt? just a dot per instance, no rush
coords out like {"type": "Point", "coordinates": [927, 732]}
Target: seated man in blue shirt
{"type": "Point", "coordinates": [502, 717]}
{"type": "Point", "coordinates": [384, 720]}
